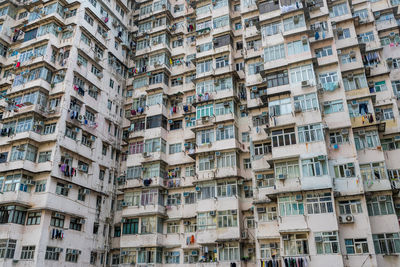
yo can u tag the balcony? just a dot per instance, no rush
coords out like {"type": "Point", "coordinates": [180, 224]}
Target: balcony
{"type": "Point", "coordinates": [132, 211]}
{"type": "Point", "coordinates": [141, 240]}
{"type": "Point", "coordinates": [210, 236]}
{"type": "Point", "coordinates": [17, 197]}
{"type": "Point", "coordinates": [304, 149]}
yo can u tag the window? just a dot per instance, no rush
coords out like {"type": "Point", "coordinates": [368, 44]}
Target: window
{"type": "Point", "coordinates": [88, 18]}
{"type": "Point", "coordinates": [247, 163]}
{"type": "Point", "coordinates": [245, 137]}
{"type": "Point", "coordinates": [191, 256]}
{"type": "Point", "coordinates": [274, 52]}
{"type": "Point", "coordinates": [356, 246]}
{"type": "Point", "coordinates": [44, 156]}
{"type": "Point", "coordinates": [327, 242]}
{"type": "Point", "coordinates": [33, 218]}
{"type": "Point", "coordinates": [175, 148]}
{"type": "Point", "coordinates": [283, 137]}
{"type": "Point", "coordinates": [366, 37]}
{"type": "Point", "coordinates": [148, 225]}
{"type": "Point", "coordinates": [130, 227]}
{"type": "Point", "coordinates": [220, 21]}
{"type": "Point", "coordinates": [295, 244]}
{"type": "Point", "coordinates": [280, 107]}
{"type": "Point", "coordinates": [347, 58]}
{"type": "Point", "coordinates": [229, 252]}
{"type": "Point", "coordinates": [265, 180]}
{"type": "Point", "coordinates": [52, 253]}
{"type": "Point", "coordinates": [24, 152]}
{"type": "Point", "coordinates": [380, 205]}
{"type": "Point", "coordinates": [7, 248]}
{"type": "Point", "coordinates": [173, 228]}
{"type": "Point", "coordinates": [269, 250]}
{"type": "Point", "coordinates": [344, 170]}
{"type": "Point", "coordinates": [387, 114]}
{"type": "Point", "coordinates": [294, 22]}
{"type": "Point", "coordinates": [27, 252]}
{"type": "Point", "coordinates": [49, 128]}
{"type": "Point", "coordinates": [310, 133]}
{"type": "Point", "coordinates": [323, 52]}
{"type": "Point", "coordinates": [354, 82]}
{"type": "Point", "coordinates": [306, 102]}
{"type": "Point", "coordinates": [314, 167]}
{"type": "Point", "coordinates": [290, 206]}
{"type": "Point", "coordinates": [388, 243]}
{"type": "Point", "coordinates": [40, 186]}
{"type": "Point", "coordinates": [319, 203]}
{"type": "Point", "coordinates": [75, 224]}
{"type": "Point", "coordinates": [262, 149]}
{"type": "Point", "coordinates": [248, 191]}
{"type": "Point", "coordinates": [172, 257]}
{"type": "Point", "coordinates": [338, 10]}
{"type": "Point", "coordinates": [226, 189]}
{"type": "Point", "coordinates": [204, 66]}
{"type": "Point", "coordinates": [57, 220]}
{"type": "Point", "coordinates": [368, 140]}
{"type": "Point", "coordinates": [298, 47]}
{"type": "Point", "coordinates": [302, 73]}
{"type": "Point", "coordinates": [174, 199]}
{"type": "Point", "coordinates": [189, 171]}
{"type": "Point", "coordinates": [344, 35]}
{"type": "Point", "coordinates": [350, 207]}
{"type": "Point", "coordinates": [224, 133]}
{"type": "Point", "coordinates": [71, 255]}
{"type": "Point", "coordinates": [71, 133]}
{"type": "Point", "coordinates": [277, 79]}
{"type": "Point", "coordinates": [205, 137]}
{"type": "Point", "coordinates": [268, 214]}
{"type": "Point", "coordinates": [271, 29]}
{"type": "Point", "coordinates": [333, 106]}
{"type": "Point", "coordinates": [207, 192]}
{"type": "Point", "coordinates": [221, 62]}
{"type": "Point", "coordinates": [206, 221]}
{"type": "Point", "coordinates": [190, 197]}
{"type": "Point", "coordinates": [373, 171]}
{"type": "Point", "coordinates": [290, 169]}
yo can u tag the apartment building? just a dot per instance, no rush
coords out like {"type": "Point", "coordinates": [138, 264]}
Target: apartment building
{"type": "Point", "coordinates": [200, 133]}
{"type": "Point", "coordinates": [63, 66]}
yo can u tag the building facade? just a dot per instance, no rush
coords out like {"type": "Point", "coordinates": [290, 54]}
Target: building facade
{"type": "Point", "coordinates": [200, 133]}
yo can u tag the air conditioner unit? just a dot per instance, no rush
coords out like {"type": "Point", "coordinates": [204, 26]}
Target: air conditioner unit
{"type": "Point", "coordinates": [185, 194]}
{"type": "Point", "coordinates": [198, 189]}
{"type": "Point", "coordinates": [273, 245]}
{"type": "Point", "coordinates": [397, 138]}
{"type": "Point", "coordinates": [123, 220]}
{"type": "Point", "coordinates": [382, 198]}
{"type": "Point", "coordinates": [99, 75]}
{"type": "Point", "coordinates": [361, 132]}
{"type": "Point", "coordinates": [233, 212]}
{"type": "Point", "coordinates": [321, 157]}
{"type": "Point", "coordinates": [124, 204]}
{"type": "Point", "coordinates": [305, 83]}
{"type": "Point", "coordinates": [92, 138]}
{"type": "Point", "coordinates": [170, 121]}
{"type": "Point", "coordinates": [299, 197]}
{"type": "Point", "coordinates": [123, 253]}
{"type": "Point", "coordinates": [348, 218]}
{"type": "Point", "coordinates": [30, 182]}
{"type": "Point", "coordinates": [304, 40]}
{"type": "Point", "coordinates": [226, 104]}
{"type": "Point", "coordinates": [205, 118]}
{"type": "Point", "coordinates": [352, 54]}
{"type": "Point", "coordinates": [348, 173]}
{"type": "Point", "coordinates": [186, 223]}
{"type": "Point", "coordinates": [69, 186]}
{"type": "Point", "coordinates": [145, 154]}
{"type": "Point", "coordinates": [261, 210]}
{"type": "Point", "coordinates": [21, 148]}
{"type": "Point", "coordinates": [282, 177]}
{"type": "Point", "coordinates": [195, 252]}
{"type": "Point", "coordinates": [285, 237]}
{"type": "Point", "coordinates": [220, 126]}
{"type": "Point", "coordinates": [217, 154]}
{"type": "Point", "coordinates": [187, 118]}
{"type": "Point", "coordinates": [345, 131]}
{"type": "Point", "coordinates": [254, 89]}
{"type": "Point", "coordinates": [211, 157]}
{"type": "Point", "coordinates": [58, 215]}
{"type": "Point", "coordinates": [86, 191]}
{"type": "Point", "coordinates": [212, 213]}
